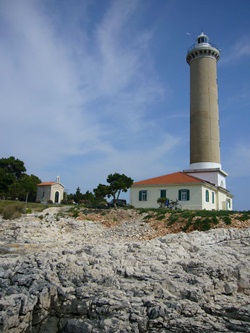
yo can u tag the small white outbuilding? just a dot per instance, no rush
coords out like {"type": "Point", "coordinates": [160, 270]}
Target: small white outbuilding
{"type": "Point", "coordinates": [50, 191]}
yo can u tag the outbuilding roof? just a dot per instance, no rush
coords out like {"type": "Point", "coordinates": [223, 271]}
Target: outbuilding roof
{"type": "Point", "coordinates": [46, 183]}
{"type": "Point", "coordinates": [172, 178]}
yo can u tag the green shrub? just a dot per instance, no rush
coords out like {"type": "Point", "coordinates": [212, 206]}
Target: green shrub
{"type": "Point", "coordinates": [160, 217]}
{"type": "Point", "coordinates": [227, 220]}
{"type": "Point", "coordinates": [75, 211]}
{"type": "Point", "coordinates": [202, 225]}
{"type": "Point", "coordinates": [244, 217]}
{"type": "Point", "coordinates": [187, 213]}
{"type": "Point", "coordinates": [188, 224]}
{"type": "Point", "coordinates": [172, 219]}
{"type": "Point", "coordinates": [215, 220]}
{"type": "Point", "coordinates": [206, 224]}
{"type": "Point", "coordinates": [13, 211]}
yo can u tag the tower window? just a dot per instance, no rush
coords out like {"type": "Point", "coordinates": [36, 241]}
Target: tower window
{"type": "Point", "coordinates": [203, 39]}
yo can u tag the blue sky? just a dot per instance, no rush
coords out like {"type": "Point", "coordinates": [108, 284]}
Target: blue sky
{"type": "Point", "coordinates": [93, 87]}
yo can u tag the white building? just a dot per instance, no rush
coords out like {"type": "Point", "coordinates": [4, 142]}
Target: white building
{"type": "Point", "coordinates": [191, 192]}
{"type": "Point", "coordinates": [50, 191]}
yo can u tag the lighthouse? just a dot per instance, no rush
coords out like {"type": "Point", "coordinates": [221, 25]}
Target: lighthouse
{"type": "Point", "coordinates": [203, 185]}
{"type": "Point", "coordinates": [205, 160]}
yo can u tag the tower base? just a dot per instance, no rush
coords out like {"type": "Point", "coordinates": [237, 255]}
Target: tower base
{"type": "Point", "coordinates": [215, 176]}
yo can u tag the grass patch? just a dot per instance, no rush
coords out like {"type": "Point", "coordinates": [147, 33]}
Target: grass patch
{"type": "Point", "coordinates": [13, 210]}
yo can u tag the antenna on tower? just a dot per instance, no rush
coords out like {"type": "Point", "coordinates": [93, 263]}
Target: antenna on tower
{"type": "Point", "coordinates": [190, 35]}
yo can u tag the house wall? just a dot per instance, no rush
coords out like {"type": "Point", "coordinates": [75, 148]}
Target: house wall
{"type": "Point", "coordinates": [43, 193]}
{"type": "Point", "coordinates": [153, 193]}
{"type": "Point", "coordinates": [54, 188]}
{"type": "Point", "coordinates": [197, 199]}
{"type": "Point", "coordinates": [209, 198]}
{"type": "Point", "coordinates": [214, 177]}
{"type": "Point", "coordinates": [225, 201]}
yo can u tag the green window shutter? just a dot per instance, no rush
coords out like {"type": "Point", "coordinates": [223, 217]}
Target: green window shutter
{"type": "Point", "coordinates": [207, 196]}
{"type": "Point", "coordinates": [179, 195]}
{"type": "Point", "coordinates": [140, 195]}
{"type": "Point", "coordinates": [163, 193]}
{"type": "Point", "coordinates": [188, 194]}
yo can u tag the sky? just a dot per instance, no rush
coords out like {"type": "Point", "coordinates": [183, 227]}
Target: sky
{"type": "Point", "coordinates": [93, 87]}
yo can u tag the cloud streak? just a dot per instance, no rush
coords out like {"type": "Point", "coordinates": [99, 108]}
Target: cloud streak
{"type": "Point", "coordinates": [77, 93]}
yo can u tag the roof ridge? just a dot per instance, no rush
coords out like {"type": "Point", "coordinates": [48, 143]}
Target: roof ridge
{"type": "Point", "coordinates": [171, 178]}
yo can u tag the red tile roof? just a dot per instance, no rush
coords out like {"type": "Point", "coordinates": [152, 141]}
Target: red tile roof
{"type": "Point", "coordinates": [46, 184]}
{"type": "Point", "coordinates": [172, 178]}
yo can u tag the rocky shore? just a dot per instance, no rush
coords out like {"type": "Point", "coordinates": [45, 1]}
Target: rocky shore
{"type": "Point", "coordinates": [87, 275]}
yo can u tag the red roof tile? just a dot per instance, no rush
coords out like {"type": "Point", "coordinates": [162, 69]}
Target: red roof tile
{"type": "Point", "coordinates": [46, 184]}
{"type": "Point", "coordinates": [172, 178]}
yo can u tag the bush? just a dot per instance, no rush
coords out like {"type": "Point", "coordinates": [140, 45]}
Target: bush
{"type": "Point", "coordinates": [160, 217]}
{"type": "Point", "coordinates": [244, 217]}
{"type": "Point", "coordinates": [172, 219]}
{"type": "Point", "coordinates": [202, 225]}
{"type": "Point", "coordinates": [188, 224]}
{"type": "Point", "coordinates": [227, 220]}
{"type": "Point", "coordinates": [13, 211]}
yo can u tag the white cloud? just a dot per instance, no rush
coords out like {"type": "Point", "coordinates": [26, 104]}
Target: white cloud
{"type": "Point", "coordinates": [79, 94]}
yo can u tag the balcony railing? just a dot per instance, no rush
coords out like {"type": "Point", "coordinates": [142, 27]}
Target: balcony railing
{"type": "Point", "coordinates": [197, 45]}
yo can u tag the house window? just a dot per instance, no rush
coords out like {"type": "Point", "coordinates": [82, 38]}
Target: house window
{"type": "Point", "coordinates": [163, 194]}
{"type": "Point", "coordinates": [213, 197]}
{"type": "Point", "coordinates": [143, 195]}
{"type": "Point", "coordinates": [184, 195]}
{"type": "Point", "coordinates": [207, 196]}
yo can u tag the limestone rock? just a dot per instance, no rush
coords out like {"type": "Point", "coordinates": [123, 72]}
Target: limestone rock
{"type": "Point", "coordinates": [84, 282]}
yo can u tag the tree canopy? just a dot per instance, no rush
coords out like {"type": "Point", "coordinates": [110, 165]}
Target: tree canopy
{"type": "Point", "coordinates": [117, 183]}
{"type": "Point", "coordinates": [14, 182]}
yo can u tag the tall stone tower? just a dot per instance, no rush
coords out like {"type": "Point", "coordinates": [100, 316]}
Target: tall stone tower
{"type": "Point", "coordinates": [205, 160]}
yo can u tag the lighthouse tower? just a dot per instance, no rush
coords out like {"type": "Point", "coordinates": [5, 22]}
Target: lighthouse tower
{"type": "Point", "coordinates": [205, 160]}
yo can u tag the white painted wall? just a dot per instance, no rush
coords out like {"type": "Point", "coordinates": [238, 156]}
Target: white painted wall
{"type": "Point", "coordinates": [196, 201]}
{"type": "Point", "coordinates": [43, 193]}
{"type": "Point", "coordinates": [153, 193]}
{"type": "Point", "coordinates": [214, 177]}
